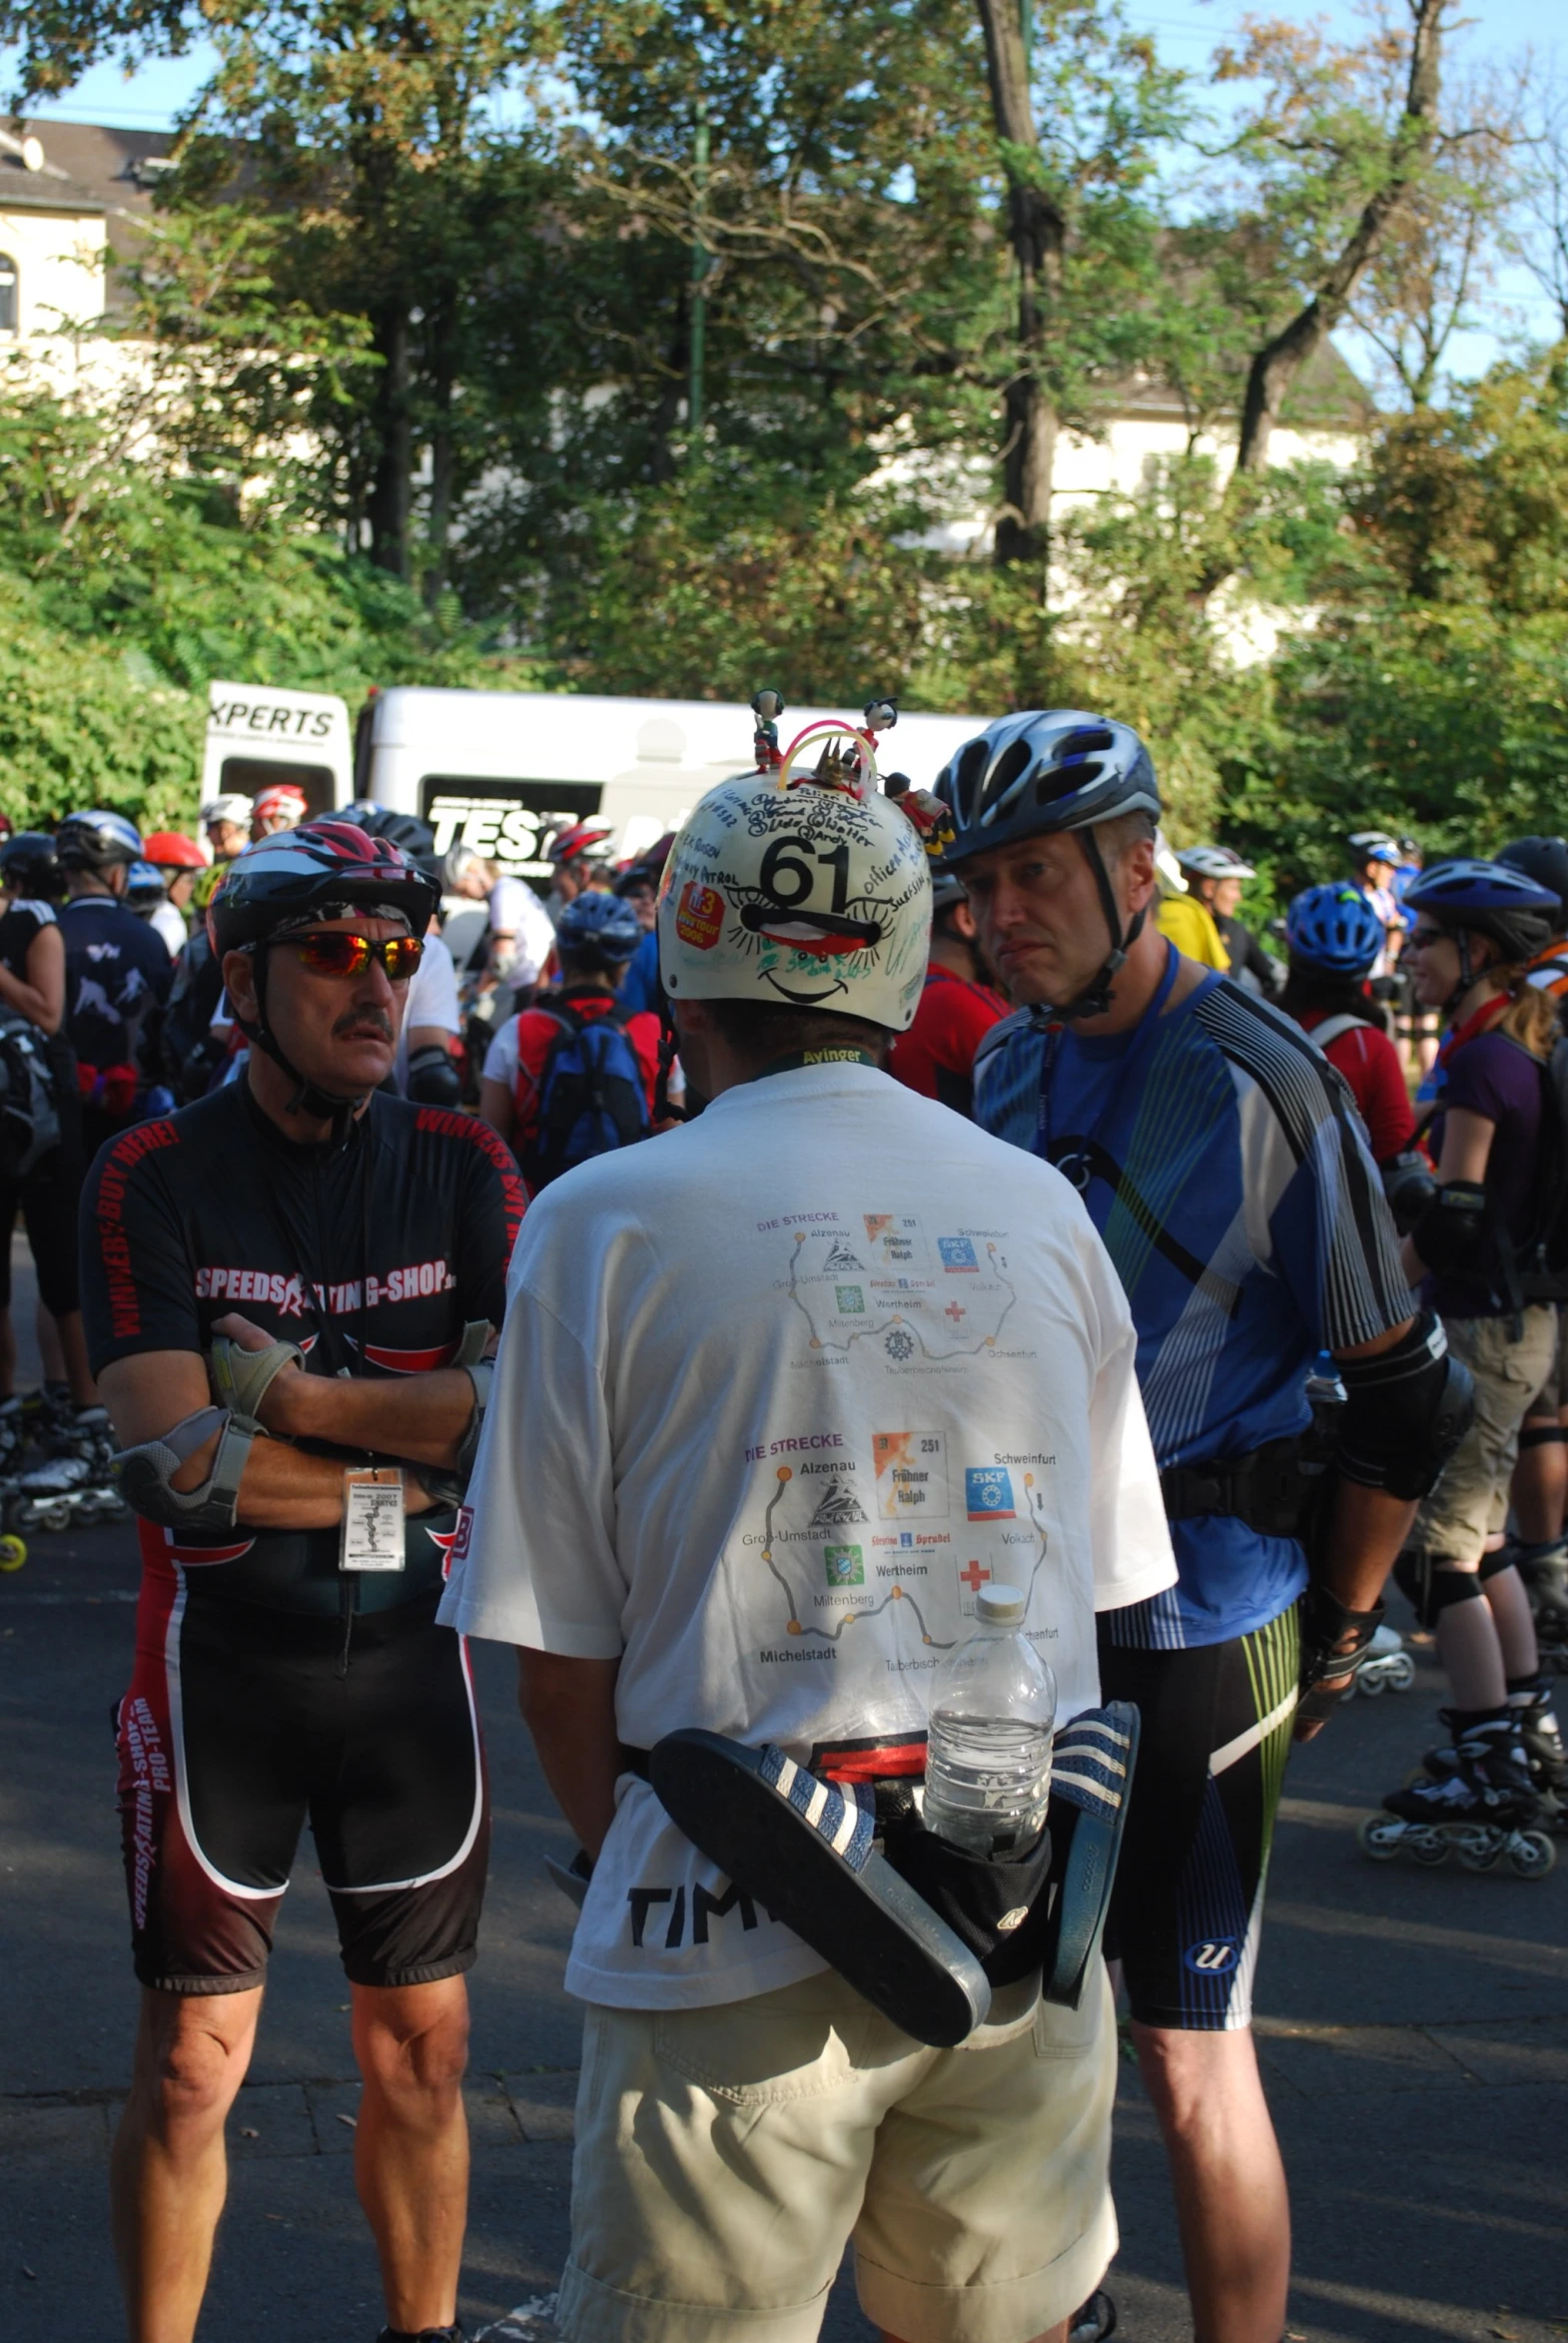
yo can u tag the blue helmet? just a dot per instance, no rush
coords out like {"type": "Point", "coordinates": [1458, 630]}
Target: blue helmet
{"type": "Point", "coordinates": [1046, 770]}
{"type": "Point", "coordinates": [96, 842]}
{"type": "Point", "coordinates": [1335, 929]}
{"type": "Point", "coordinates": [599, 927]}
{"type": "Point", "coordinates": [1488, 898]}
{"type": "Point", "coordinates": [144, 884]}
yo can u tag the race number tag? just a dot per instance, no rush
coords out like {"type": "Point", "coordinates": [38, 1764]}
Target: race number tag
{"type": "Point", "coordinates": [372, 1519]}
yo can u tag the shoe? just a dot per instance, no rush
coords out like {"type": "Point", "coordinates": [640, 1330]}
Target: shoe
{"type": "Point", "coordinates": [452, 2334]}
{"type": "Point", "coordinates": [532, 2322]}
{"type": "Point", "coordinates": [1095, 2322]}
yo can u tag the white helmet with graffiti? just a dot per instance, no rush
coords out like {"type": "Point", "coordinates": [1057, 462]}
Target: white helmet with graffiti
{"type": "Point", "coordinates": [812, 896]}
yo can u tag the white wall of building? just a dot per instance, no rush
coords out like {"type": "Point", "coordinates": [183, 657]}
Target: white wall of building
{"type": "Point", "coordinates": [59, 260]}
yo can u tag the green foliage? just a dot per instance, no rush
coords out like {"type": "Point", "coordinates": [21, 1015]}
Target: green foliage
{"type": "Point", "coordinates": [123, 591]}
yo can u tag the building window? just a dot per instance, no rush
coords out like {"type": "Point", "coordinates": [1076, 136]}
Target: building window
{"type": "Point", "coordinates": [8, 301]}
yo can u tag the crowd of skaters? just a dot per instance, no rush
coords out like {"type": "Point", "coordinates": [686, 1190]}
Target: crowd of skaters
{"type": "Point", "coordinates": [547, 1020]}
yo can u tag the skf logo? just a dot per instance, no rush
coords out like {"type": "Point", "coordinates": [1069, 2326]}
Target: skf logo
{"type": "Point", "coordinates": [1213, 1957]}
{"type": "Point", "coordinates": [700, 916]}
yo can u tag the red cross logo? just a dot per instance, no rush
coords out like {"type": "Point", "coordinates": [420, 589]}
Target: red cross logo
{"type": "Point", "coordinates": [954, 1312]}
{"type": "Point", "coordinates": [974, 1578]}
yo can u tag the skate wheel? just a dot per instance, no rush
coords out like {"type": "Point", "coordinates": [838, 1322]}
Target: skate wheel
{"type": "Point", "coordinates": [1401, 1673]}
{"type": "Point", "coordinates": [1370, 1681]}
{"type": "Point", "coordinates": [1531, 1855]}
{"type": "Point", "coordinates": [1378, 1836]}
{"type": "Point", "coordinates": [1480, 1852]}
{"type": "Point", "coordinates": [13, 1552]}
{"type": "Point", "coordinates": [55, 1517]}
{"type": "Point", "coordinates": [1429, 1848]}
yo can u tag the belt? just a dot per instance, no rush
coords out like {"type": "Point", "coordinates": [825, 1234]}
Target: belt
{"type": "Point", "coordinates": [1269, 1489]}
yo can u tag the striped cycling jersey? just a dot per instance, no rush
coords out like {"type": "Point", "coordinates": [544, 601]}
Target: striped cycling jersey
{"type": "Point", "coordinates": [1221, 1159]}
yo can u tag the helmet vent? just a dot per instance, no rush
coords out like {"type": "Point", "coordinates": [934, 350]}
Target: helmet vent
{"type": "Point", "coordinates": [1065, 780]}
{"type": "Point", "coordinates": [1092, 740]}
{"type": "Point", "coordinates": [971, 770]}
{"type": "Point", "coordinates": [1010, 769]}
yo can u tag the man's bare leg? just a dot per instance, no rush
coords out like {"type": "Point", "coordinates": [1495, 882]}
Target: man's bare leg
{"type": "Point", "coordinates": [169, 2172]}
{"type": "Point", "coordinates": [1228, 2181]}
{"type": "Point", "coordinates": [411, 2155]}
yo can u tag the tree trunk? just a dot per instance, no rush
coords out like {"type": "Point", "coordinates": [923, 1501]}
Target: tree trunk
{"type": "Point", "coordinates": [442, 367]}
{"type": "Point", "coordinates": [390, 503]}
{"type": "Point", "coordinates": [1037, 235]}
{"type": "Point", "coordinates": [1275, 366]}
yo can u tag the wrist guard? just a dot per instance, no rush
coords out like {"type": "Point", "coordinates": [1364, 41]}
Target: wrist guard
{"type": "Point", "coordinates": [144, 1476]}
{"type": "Point", "coordinates": [241, 1378]}
{"type": "Point", "coordinates": [1333, 1639]}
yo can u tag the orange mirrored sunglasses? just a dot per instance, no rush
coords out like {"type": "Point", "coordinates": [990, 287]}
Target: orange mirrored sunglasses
{"type": "Point", "coordinates": [337, 952]}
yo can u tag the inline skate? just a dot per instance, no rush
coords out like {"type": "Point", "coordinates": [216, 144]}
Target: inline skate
{"type": "Point", "coordinates": [1486, 1811]}
{"type": "Point", "coordinates": [64, 1491]}
{"type": "Point", "coordinates": [1540, 1737]}
{"type": "Point", "coordinates": [1385, 1666]}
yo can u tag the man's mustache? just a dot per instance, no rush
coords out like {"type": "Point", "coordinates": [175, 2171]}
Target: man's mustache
{"type": "Point", "coordinates": [355, 1021]}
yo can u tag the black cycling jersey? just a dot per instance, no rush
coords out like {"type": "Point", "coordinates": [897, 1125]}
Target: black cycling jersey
{"type": "Point", "coordinates": [47, 1198]}
{"type": "Point", "coordinates": [116, 974]}
{"type": "Point", "coordinates": [371, 1256]}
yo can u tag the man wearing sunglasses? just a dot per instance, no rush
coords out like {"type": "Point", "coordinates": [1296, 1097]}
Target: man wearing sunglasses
{"type": "Point", "coordinates": [326, 1262]}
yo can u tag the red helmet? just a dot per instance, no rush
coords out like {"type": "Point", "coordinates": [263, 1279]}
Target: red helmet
{"type": "Point", "coordinates": [169, 850]}
{"type": "Point", "coordinates": [323, 870]}
{"type": "Point", "coordinates": [582, 838]}
{"type": "Point", "coordinates": [285, 800]}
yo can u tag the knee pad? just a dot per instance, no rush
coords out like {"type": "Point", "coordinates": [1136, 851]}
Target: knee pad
{"type": "Point", "coordinates": [1541, 1432]}
{"type": "Point", "coordinates": [1432, 1585]}
{"type": "Point", "coordinates": [1405, 1412]}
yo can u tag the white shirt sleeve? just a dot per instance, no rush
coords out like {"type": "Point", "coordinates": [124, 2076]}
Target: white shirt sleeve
{"type": "Point", "coordinates": [517, 911]}
{"type": "Point", "coordinates": [535, 1559]}
{"type": "Point", "coordinates": [432, 995]}
{"type": "Point", "coordinates": [500, 1058]}
{"type": "Point", "coordinates": [1129, 1537]}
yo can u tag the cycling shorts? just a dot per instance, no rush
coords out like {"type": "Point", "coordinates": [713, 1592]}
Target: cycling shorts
{"type": "Point", "coordinates": [1187, 1910]}
{"type": "Point", "coordinates": [49, 1199]}
{"type": "Point", "coordinates": [240, 1724]}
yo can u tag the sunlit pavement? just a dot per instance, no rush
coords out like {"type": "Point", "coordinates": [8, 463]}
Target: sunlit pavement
{"type": "Point", "coordinates": [1414, 2030]}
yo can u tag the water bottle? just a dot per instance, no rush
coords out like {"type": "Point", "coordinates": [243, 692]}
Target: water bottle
{"type": "Point", "coordinates": [988, 1758]}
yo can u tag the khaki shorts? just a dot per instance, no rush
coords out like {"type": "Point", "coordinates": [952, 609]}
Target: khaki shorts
{"type": "Point", "coordinates": [1553, 1395]}
{"type": "Point", "coordinates": [1470, 1502]}
{"type": "Point", "coordinates": [725, 2157]}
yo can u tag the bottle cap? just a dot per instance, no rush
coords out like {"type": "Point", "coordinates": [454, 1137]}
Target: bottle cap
{"type": "Point", "coordinates": [1000, 1606]}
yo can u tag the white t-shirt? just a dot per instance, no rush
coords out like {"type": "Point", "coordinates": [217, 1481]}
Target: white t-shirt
{"type": "Point", "coordinates": [165, 921]}
{"type": "Point", "coordinates": [432, 1000]}
{"type": "Point", "coordinates": [500, 1058]}
{"type": "Point", "coordinates": [778, 1392]}
{"type": "Point", "coordinates": [517, 911]}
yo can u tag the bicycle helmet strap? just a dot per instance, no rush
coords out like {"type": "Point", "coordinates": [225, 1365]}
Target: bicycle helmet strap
{"type": "Point", "coordinates": [1095, 999]}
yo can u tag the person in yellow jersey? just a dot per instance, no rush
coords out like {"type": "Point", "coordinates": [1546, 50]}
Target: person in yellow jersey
{"type": "Point", "coordinates": [1184, 919]}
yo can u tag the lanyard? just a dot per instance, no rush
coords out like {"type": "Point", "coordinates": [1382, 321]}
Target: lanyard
{"type": "Point", "coordinates": [1077, 1162]}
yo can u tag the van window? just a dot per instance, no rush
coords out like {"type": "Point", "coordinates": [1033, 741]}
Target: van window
{"type": "Point", "coordinates": [8, 301]}
{"type": "Point", "coordinates": [249, 775]}
{"type": "Point", "coordinates": [508, 822]}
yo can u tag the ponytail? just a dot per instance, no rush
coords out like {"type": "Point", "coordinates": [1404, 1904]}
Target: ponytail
{"type": "Point", "coordinates": [1530, 1018]}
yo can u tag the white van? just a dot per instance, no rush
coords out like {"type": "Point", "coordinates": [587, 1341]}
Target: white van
{"type": "Point", "coordinates": [257, 735]}
{"type": "Point", "coordinates": [499, 770]}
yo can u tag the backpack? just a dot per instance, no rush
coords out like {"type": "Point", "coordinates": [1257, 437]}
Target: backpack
{"type": "Point", "coordinates": [29, 1101]}
{"type": "Point", "coordinates": [591, 1096]}
{"type": "Point", "coordinates": [1541, 1264]}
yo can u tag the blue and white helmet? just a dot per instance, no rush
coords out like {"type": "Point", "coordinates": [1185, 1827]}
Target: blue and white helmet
{"type": "Point", "coordinates": [1046, 770]}
{"type": "Point", "coordinates": [1487, 899]}
{"type": "Point", "coordinates": [96, 842]}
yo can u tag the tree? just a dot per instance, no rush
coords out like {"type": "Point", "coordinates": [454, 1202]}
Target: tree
{"type": "Point", "coordinates": [1341, 141]}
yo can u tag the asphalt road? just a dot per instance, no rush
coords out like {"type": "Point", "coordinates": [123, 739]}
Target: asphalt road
{"type": "Point", "coordinates": [1413, 2026]}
